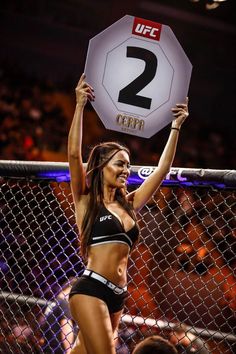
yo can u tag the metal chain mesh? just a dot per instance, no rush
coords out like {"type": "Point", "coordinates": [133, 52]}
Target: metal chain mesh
{"type": "Point", "coordinates": [181, 271]}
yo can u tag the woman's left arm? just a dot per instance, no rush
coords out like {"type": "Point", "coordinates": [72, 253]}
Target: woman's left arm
{"type": "Point", "coordinates": [142, 194]}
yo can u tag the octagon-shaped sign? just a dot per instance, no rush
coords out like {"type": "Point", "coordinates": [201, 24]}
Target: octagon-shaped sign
{"type": "Point", "coordinates": [139, 71]}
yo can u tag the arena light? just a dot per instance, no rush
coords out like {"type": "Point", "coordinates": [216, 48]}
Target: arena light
{"type": "Point", "coordinates": [211, 4]}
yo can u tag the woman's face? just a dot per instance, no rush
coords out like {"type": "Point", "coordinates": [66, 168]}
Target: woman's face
{"type": "Point", "coordinates": [117, 170]}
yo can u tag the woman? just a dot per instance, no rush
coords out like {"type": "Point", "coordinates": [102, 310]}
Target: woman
{"type": "Point", "coordinates": [105, 215]}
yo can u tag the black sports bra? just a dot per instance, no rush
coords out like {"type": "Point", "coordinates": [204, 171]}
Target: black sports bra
{"type": "Point", "coordinates": [107, 228]}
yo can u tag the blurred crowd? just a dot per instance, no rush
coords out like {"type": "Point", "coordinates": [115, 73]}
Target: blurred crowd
{"type": "Point", "coordinates": [31, 120]}
{"type": "Point", "coordinates": [35, 117]}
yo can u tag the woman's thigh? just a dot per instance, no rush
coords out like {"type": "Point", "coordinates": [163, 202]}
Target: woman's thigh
{"type": "Point", "coordinates": [115, 320]}
{"type": "Point", "coordinates": [94, 321]}
{"type": "Point", "coordinates": [79, 347]}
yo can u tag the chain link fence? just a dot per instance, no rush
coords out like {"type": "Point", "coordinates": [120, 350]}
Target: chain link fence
{"type": "Point", "coordinates": [182, 273]}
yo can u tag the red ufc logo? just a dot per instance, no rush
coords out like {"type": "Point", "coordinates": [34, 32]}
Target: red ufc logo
{"type": "Point", "coordinates": [146, 28]}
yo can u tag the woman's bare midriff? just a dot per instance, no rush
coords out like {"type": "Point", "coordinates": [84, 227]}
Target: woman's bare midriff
{"type": "Point", "coordinates": [110, 261]}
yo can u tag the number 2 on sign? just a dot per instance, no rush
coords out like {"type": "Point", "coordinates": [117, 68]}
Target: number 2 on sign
{"type": "Point", "coordinates": [128, 94]}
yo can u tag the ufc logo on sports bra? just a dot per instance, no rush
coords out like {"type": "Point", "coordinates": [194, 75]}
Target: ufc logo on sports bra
{"type": "Point", "coordinates": [146, 28]}
{"type": "Point", "coordinates": [105, 217]}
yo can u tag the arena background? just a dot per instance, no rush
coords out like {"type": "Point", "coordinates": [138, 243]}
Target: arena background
{"type": "Point", "coordinates": [48, 42]}
{"type": "Point", "coordinates": [43, 51]}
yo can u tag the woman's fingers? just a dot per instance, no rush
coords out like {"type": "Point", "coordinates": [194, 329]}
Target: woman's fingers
{"type": "Point", "coordinates": [179, 111]}
{"type": "Point", "coordinates": [83, 84]}
{"type": "Point", "coordinates": [183, 105]}
{"type": "Point", "coordinates": [83, 90]}
{"type": "Point", "coordinates": [88, 93]}
{"type": "Point", "coordinates": [82, 77]}
{"type": "Point", "coordinates": [90, 96]}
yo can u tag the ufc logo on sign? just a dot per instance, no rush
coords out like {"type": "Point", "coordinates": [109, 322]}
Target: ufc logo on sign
{"type": "Point", "coordinates": [146, 28]}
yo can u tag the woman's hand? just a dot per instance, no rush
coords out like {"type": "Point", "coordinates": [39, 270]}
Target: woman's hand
{"type": "Point", "coordinates": [84, 92]}
{"type": "Point", "coordinates": [180, 112]}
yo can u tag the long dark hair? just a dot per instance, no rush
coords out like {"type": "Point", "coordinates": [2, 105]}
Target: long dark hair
{"type": "Point", "coordinates": [99, 156]}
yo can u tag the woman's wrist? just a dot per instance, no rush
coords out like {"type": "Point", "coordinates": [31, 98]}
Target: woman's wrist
{"type": "Point", "coordinates": [80, 105]}
{"type": "Point", "coordinates": [175, 128]}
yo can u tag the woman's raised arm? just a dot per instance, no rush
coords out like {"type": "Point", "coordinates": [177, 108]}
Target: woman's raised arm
{"type": "Point", "coordinates": [84, 92]}
{"type": "Point", "coordinates": [141, 196]}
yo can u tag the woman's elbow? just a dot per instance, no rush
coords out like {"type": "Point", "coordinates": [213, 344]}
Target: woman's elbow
{"type": "Point", "coordinates": [73, 152]}
{"type": "Point", "coordinates": [164, 170]}
{"type": "Point", "coordinates": [73, 156]}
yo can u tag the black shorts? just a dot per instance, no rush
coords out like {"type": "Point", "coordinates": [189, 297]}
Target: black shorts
{"type": "Point", "coordinates": [92, 287]}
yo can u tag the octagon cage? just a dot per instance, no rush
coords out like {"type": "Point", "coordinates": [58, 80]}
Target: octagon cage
{"type": "Point", "coordinates": [181, 275]}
